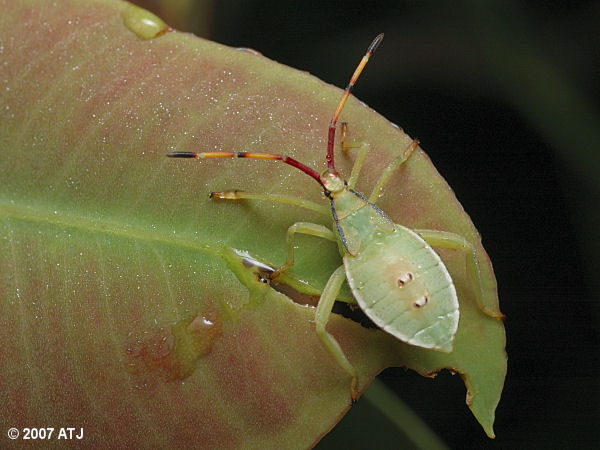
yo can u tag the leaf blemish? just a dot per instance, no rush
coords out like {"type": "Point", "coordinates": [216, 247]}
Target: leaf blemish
{"type": "Point", "coordinates": [173, 352]}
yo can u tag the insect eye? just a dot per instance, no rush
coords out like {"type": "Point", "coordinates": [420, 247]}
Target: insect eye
{"type": "Point", "coordinates": [420, 302]}
{"type": "Point", "coordinates": [402, 280]}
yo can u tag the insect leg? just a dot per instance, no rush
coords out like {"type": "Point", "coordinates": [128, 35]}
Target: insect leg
{"type": "Point", "coordinates": [387, 172]}
{"type": "Point", "coordinates": [445, 239]}
{"type": "Point", "coordinates": [278, 198]}
{"type": "Point", "coordinates": [332, 288]}
{"type": "Point", "coordinates": [360, 158]}
{"type": "Point", "coordinates": [312, 229]}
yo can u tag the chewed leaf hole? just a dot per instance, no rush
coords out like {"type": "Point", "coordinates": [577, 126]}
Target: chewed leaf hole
{"type": "Point", "coordinates": [349, 311]}
{"type": "Point", "coordinates": [262, 271]}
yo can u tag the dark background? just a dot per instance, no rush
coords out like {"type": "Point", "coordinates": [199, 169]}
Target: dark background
{"type": "Point", "coordinates": [503, 97]}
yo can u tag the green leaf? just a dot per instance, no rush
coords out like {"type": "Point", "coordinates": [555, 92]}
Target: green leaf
{"type": "Point", "coordinates": [126, 306]}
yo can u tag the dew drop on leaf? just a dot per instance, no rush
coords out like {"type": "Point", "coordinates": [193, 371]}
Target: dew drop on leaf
{"type": "Point", "coordinates": [143, 23]}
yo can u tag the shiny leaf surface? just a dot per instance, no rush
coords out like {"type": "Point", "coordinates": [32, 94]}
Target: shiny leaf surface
{"type": "Point", "coordinates": [125, 301]}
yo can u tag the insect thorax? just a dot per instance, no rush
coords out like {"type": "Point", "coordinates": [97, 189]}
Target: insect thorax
{"type": "Point", "coordinates": [357, 220]}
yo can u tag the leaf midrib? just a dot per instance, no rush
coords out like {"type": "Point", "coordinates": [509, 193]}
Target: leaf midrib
{"type": "Point", "coordinates": [34, 214]}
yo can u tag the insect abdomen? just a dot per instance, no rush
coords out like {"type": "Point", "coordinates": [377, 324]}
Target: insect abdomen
{"type": "Point", "coordinates": [403, 286]}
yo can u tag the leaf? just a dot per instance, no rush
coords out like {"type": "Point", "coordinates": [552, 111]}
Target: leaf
{"type": "Point", "coordinates": [126, 306]}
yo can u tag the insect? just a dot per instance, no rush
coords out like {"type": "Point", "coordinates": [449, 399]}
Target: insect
{"type": "Point", "coordinates": [395, 276]}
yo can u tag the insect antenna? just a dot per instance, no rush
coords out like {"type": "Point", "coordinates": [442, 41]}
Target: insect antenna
{"type": "Point", "coordinates": [345, 95]}
{"type": "Point", "coordinates": [286, 159]}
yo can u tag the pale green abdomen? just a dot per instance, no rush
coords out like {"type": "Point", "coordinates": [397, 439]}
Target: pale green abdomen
{"type": "Point", "coordinates": [403, 287]}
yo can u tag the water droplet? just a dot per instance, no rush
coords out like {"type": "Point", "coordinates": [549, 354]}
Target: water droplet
{"type": "Point", "coordinates": [143, 23]}
{"type": "Point", "coordinates": [249, 50]}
